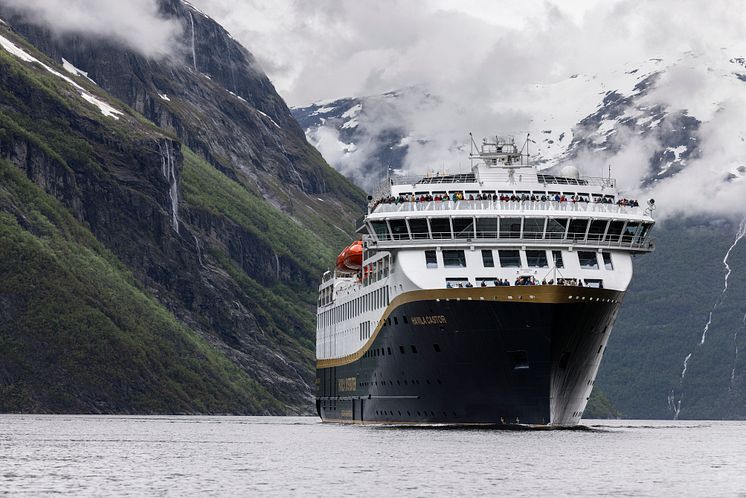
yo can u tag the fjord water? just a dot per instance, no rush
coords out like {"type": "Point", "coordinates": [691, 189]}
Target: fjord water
{"type": "Point", "coordinates": [138, 456]}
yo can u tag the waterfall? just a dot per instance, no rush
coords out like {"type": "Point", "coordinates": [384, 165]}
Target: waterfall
{"type": "Point", "coordinates": [672, 403]}
{"type": "Point", "coordinates": [194, 51]}
{"type": "Point", "coordinates": [735, 354]}
{"type": "Point", "coordinates": [168, 169]}
{"type": "Point", "coordinates": [199, 251]}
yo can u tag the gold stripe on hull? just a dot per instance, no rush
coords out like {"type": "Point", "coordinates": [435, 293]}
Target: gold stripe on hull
{"type": "Point", "coordinates": [540, 294]}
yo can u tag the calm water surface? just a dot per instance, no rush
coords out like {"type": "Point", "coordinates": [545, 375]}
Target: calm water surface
{"type": "Point", "coordinates": [104, 456]}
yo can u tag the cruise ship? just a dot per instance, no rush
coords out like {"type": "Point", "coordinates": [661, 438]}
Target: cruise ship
{"type": "Point", "coordinates": [485, 297]}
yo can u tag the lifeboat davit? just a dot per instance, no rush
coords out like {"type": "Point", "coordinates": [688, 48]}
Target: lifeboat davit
{"type": "Point", "coordinates": [350, 260]}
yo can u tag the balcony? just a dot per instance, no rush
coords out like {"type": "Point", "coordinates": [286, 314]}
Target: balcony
{"type": "Point", "coordinates": [510, 206]}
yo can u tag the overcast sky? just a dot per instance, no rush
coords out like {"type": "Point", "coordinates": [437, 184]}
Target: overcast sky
{"type": "Point", "coordinates": [326, 49]}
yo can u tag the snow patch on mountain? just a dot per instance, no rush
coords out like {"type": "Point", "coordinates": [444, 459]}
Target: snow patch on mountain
{"type": "Point", "coordinates": [105, 108]}
{"type": "Point", "coordinates": [67, 66]}
{"type": "Point", "coordinates": [265, 115]}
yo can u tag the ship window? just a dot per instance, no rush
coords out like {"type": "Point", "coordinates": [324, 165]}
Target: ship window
{"type": "Point", "coordinates": [629, 232]}
{"type": "Point", "coordinates": [519, 360]}
{"type": "Point", "coordinates": [396, 321]}
{"type": "Point", "coordinates": [487, 228]}
{"type": "Point", "coordinates": [557, 257]}
{"type": "Point", "coordinates": [389, 350]}
{"type": "Point", "coordinates": [414, 349]}
{"type": "Point", "coordinates": [556, 228]}
{"type": "Point", "coordinates": [401, 350]}
{"type": "Point", "coordinates": [441, 228]}
{"type": "Point", "coordinates": [588, 260]}
{"type": "Point", "coordinates": [404, 317]}
{"type": "Point", "coordinates": [577, 229]}
{"type": "Point", "coordinates": [509, 258]}
{"type": "Point", "coordinates": [456, 282]}
{"type": "Point", "coordinates": [454, 259]}
{"type": "Point", "coordinates": [510, 228]}
{"type": "Point", "coordinates": [431, 261]}
{"type": "Point", "coordinates": [614, 231]}
{"type": "Point", "coordinates": [533, 228]}
{"type": "Point", "coordinates": [437, 350]}
{"type": "Point", "coordinates": [643, 233]}
{"type": "Point", "coordinates": [399, 229]}
{"type": "Point", "coordinates": [380, 229]}
{"type": "Point", "coordinates": [595, 283]}
{"type": "Point", "coordinates": [597, 229]}
{"type": "Point", "coordinates": [418, 226]}
{"type": "Point", "coordinates": [487, 260]}
{"type": "Point", "coordinates": [537, 259]}
{"type": "Point", "coordinates": [463, 228]}
{"type": "Point", "coordinates": [607, 261]}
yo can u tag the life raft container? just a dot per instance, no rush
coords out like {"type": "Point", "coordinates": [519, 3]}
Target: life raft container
{"type": "Point", "coordinates": [350, 260]}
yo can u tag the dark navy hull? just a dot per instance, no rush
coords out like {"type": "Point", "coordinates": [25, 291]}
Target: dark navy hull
{"type": "Point", "coordinates": [474, 356]}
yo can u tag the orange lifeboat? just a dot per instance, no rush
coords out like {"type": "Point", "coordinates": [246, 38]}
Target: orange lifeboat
{"type": "Point", "coordinates": [350, 260]}
{"type": "Point", "coordinates": [354, 255]}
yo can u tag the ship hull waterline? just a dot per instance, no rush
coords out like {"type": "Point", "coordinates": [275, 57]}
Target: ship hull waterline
{"type": "Point", "coordinates": [478, 356]}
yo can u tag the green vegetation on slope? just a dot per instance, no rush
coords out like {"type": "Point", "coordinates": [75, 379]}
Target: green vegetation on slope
{"type": "Point", "coordinates": [203, 186]}
{"type": "Point", "coordinates": [76, 330]}
{"type": "Point", "coordinates": [599, 406]}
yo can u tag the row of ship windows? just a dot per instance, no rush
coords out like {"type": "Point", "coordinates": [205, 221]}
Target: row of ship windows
{"type": "Point", "coordinates": [378, 298]}
{"type": "Point", "coordinates": [513, 258]}
{"type": "Point", "coordinates": [376, 352]}
{"type": "Point", "coordinates": [576, 229]}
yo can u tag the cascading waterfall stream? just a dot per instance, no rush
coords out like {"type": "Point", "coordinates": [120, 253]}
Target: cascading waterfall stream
{"type": "Point", "coordinates": [194, 50]}
{"type": "Point", "coordinates": [168, 169]}
{"type": "Point", "coordinates": [735, 354]}
{"type": "Point", "coordinates": [673, 404]}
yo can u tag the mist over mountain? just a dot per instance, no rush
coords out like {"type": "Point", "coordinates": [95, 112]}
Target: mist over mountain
{"type": "Point", "coordinates": [625, 120]}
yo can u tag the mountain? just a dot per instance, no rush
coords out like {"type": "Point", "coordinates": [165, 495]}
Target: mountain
{"type": "Point", "coordinates": [591, 119]}
{"type": "Point", "coordinates": [164, 225]}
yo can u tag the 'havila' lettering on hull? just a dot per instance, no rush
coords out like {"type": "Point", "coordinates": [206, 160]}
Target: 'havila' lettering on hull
{"type": "Point", "coordinates": [347, 384]}
{"type": "Point", "coordinates": [429, 320]}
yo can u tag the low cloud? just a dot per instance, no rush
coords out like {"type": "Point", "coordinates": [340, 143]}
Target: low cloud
{"type": "Point", "coordinates": [135, 23]}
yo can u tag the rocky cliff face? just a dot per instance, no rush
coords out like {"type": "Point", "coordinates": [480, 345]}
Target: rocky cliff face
{"type": "Point", "coordinates": [199, 182]}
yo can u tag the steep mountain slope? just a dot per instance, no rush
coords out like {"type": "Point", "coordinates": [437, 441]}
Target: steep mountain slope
{"type": "Point", "coordinates": [675, 288]}
{"type": "Point", "coordinates": [230, 238]}
{"type": "Point", "coordinates": [78, 334]}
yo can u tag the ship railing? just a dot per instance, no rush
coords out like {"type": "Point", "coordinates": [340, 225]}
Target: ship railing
{"type": "Point", "coordinates": [513, 206]}
{"type": "Point", "coordinates": [510, 239]}
{"type": "Point", "coordinates": [498, 175]}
